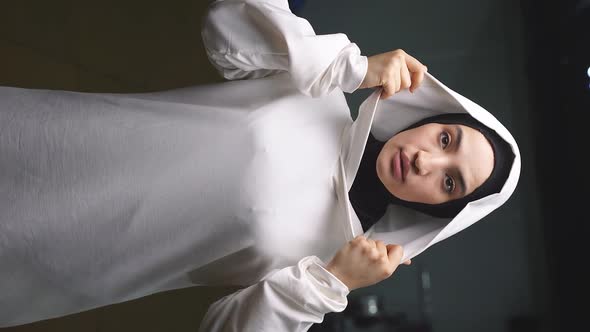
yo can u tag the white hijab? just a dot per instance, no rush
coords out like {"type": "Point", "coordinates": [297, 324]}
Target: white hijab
{"type": "Point", "coordinates": [411, 229]}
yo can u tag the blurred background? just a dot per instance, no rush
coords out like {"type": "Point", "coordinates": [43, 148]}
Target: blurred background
{"type": "Point", "coordinates": [523, 268]}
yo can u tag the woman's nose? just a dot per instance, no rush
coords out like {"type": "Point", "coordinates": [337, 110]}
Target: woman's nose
{"type": "Point", "coordinates": [426, 162]}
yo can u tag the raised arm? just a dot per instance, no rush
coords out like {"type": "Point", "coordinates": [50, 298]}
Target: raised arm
{"type": "Point", "coordinates": [291, 299]}
{"type": "Point", "coordinates": [294, 298]}
{"type": "Point", "coordinates": [256, 38]}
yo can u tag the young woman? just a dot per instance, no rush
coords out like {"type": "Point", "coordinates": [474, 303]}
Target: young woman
{"type": "Point", "coordinates": [111, 197]}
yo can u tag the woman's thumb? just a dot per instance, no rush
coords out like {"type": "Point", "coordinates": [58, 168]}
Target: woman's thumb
{"type": "Point", "coordinates": [395, 253]}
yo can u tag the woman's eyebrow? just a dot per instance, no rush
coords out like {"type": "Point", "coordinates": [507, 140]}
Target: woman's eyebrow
{"type": "Point", "coordinates": [458, 141]}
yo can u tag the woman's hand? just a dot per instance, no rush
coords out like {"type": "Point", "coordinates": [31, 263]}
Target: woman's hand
{"type": "Point", "coordinates": [393, 71]}
{"type": "Point", "coordinates": [363, 262]}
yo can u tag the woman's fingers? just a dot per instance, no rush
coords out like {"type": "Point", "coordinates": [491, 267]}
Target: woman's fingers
{"type": "Point", "coordinates": [382, 248]}
{"type": "Point", "coordinates": [393, 81]}
{"type": "Point", "coordinates": [363, 262]}
{"type": "Point", "coordinates": [372, 243]}
{"type": "Point", "coordinates": [417, 78]}
{"type": "Point", "coordinates": [404, 72]}
{"type": "Point", "coordinates": [417, 69]}
{"type": "Point", "coordinates": [389, 89]}
{"type": "Point", "coordinates": [413, 64]}
{"type": "Point", "coordinates": [394, 253]}
{"type": "Point", "coordinates": [405, 79]}
{"type": "Point", "coordinates": [399, 71]}
{"type": "Point", "coordinates": [397, 77]}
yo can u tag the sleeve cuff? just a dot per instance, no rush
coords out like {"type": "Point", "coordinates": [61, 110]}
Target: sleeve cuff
{"type": "Point", "coordinates": [360, 71]}
{"type": "Point", "coordinates": [328, 284]}
{"type": "Point", "coordinates": [353, 68]}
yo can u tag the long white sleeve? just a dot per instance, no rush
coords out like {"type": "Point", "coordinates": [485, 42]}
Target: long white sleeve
{"type": "Point", "coordinates": [257, 38]}
{"type": "Point", "coordinates": [290, 299]}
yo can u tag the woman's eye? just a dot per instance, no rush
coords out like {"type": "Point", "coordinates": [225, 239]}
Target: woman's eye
{"type": "Point", "coordinates": [449, 184]}
{"type": "Point", "coordinates": [444, 139]}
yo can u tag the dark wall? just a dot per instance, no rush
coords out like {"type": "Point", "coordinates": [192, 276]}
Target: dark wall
{"type": "Point", "coordinates": [558, 42]}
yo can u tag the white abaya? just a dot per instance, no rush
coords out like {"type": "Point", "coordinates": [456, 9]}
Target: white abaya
{"type": "Point", "coordinates": [109, 197]}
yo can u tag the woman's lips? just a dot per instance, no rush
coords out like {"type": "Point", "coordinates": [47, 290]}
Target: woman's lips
{"type": "Point", "coordinates": [405, 163]}
{"type": "Point", "coordinates": [396, 166]}
{"type": "Point", "coordinates": [400, 166]}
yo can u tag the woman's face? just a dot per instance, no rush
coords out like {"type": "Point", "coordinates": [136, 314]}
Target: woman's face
{"type": "Point", "coordinates": [435, 163]}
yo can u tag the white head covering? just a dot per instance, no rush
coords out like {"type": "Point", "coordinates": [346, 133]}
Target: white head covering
{"type": "Point", "coordinates": [411, 229]}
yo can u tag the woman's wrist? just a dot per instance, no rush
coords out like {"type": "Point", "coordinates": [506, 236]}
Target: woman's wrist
{"type": "Point", "coordinates": [336, 273]}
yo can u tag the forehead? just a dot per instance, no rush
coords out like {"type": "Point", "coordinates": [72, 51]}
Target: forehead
{"type": "Point", "coordinates": [475, 157]}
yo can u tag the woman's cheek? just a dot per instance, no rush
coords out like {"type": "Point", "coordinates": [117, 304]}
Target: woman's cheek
{"type": "Point", "coordinates": [423, 191]}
